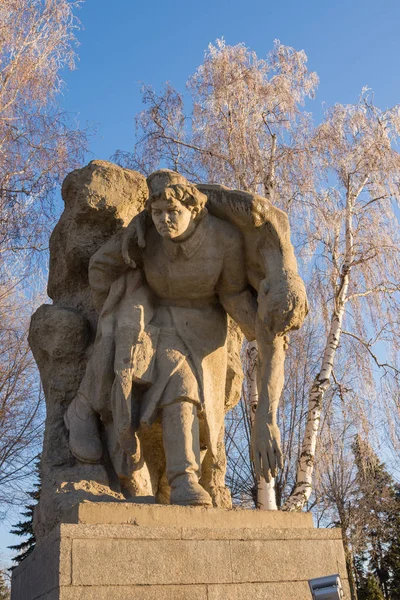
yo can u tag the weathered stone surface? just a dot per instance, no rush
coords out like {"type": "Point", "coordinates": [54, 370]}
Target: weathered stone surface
{"type": "Point", "coordinates": [182, 560]}
{"type": "Point", "coordinates": [259, 533]}
{"type": "Point", "coordinates": [260, 591]}
{"type": "Point", "coordinates": [203, 519]}
{"type": "Point", "coordinates": [43, 572]}
{"type": "Point", "coordinates": [250, 591]}
{"type": "Point", "coordinates": [121, 532]}
{"type": "Point", "coordinates": [163, 562]}
{"type": "Point", "coordinates": [143, 592]}
{"type": "Point", "coordinates": [301, 559]}
{"type": "Point", "coordinates": [133, 354]}
{"type": "Point", "coordinates": [99, 199]}
{"type": "Point", "coordinates": [163, 326]}
{"type": "Point", "coordinates": [164, 288]}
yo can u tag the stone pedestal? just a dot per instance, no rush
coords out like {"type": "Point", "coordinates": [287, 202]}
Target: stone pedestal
{"type": "Point", "coordinates": [114, 551]}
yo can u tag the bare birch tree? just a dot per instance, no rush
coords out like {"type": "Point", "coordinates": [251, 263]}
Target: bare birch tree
{"type": "Point", "coordinates": [21, 416]}
{"type": "Point", "coordinates": [245, 129]}
{"type": "Point", "coordinates": [354, 230]}
{"type": "Point", "coordinates": [335, 490]}
{"type": "Point", "coordinates": [390, 393]}
{"type": "Point", "coordinates": [38, 145]}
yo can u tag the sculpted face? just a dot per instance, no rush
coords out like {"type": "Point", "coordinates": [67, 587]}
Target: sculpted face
{"type": "Point", "coordinates": [172, 219]}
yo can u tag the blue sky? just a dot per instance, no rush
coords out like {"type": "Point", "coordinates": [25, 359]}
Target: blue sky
{"type": "Point", "coordinates": [349, 43]}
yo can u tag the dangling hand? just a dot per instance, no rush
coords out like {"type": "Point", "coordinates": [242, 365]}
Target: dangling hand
{"type": "Point", "coordinates": [266, 449]}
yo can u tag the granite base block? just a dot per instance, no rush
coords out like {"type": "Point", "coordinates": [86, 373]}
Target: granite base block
{"type": "Point", "coordinates": [152, 552]}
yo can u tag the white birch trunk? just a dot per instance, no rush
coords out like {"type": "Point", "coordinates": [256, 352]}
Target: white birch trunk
{"type": "Point", "coordinates": [266, 499]}
{"type": "Point", "coordinates": [303, 487]}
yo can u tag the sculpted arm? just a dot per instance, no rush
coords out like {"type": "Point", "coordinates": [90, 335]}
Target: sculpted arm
{"type": "Point", "coordinates": [112, 259]}
{"type": "Point", "coordinates": [282, 305]}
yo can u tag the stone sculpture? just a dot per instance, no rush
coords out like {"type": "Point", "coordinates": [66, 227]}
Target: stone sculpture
{"type": "Point", "coordinates": [145, 410]}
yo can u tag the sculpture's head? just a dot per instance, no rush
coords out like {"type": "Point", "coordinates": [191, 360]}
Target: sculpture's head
{"type": "Point", "coordinates": [175, 205]}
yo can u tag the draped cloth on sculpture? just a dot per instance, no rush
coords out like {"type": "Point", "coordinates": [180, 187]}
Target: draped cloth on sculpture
{"type": "Point", "coordinates": [123, 354]}
{"type": "Point", "coordinates": [144, 359]}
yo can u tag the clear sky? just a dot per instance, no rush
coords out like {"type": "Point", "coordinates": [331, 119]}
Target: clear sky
{"type": "Point", "coordinates": [349, 43]}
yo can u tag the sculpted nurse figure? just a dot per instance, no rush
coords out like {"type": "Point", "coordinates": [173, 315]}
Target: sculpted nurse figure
{"type": "Point", "coordinates": [165, 325]}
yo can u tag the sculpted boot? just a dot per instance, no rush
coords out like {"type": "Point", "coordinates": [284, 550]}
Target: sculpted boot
{"type": "Point", "coordinates": [182, 453]}
{"type": "Point", "coordinates": [186, 491]}
{"type": "Point", "coordinates": [84, 437]}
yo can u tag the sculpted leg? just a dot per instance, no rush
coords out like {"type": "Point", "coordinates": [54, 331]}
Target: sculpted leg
{"type": "Point", "coordinates": [213, 471]}
{"type": "Point", "coordinates": [181, 440]}
{"type": "Point", "coordinates": [82, 424]}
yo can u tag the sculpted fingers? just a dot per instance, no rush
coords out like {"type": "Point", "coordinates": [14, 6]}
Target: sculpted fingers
{"type": "Point", "coordinates": [266, 468]}
{"type": "Point", "coordinates": [255, 455]}
{"type": "Point", "coordinates": [267, 474]}
{"type": "Point", "coordinates": [272, 461]}
{"type": "Point", "coordinates": [125, 252]}
{"type": "Point", "coordinates": [268, 461]}
{"type": "Point", "coordinates": [266, 451]}
{"type": "Point", "coordinates": [257, 463]}
{"type": "Point", "coordinates": [261, 461]}
{"type": "Point", "coordinates": [286, 341]}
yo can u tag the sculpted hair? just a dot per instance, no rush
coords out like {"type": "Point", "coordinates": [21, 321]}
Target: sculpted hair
{"type": "Point", "coordinates": [188, 195]}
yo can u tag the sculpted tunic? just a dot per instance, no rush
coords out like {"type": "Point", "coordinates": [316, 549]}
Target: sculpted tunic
{"type": "Point", "coordinates": [194, 283]}
{"type": "Point", "coordinates": [191, 285]}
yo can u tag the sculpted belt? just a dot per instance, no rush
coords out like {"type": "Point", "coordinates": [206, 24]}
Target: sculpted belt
{"type": "Point", "coordinates": [189, 303]}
